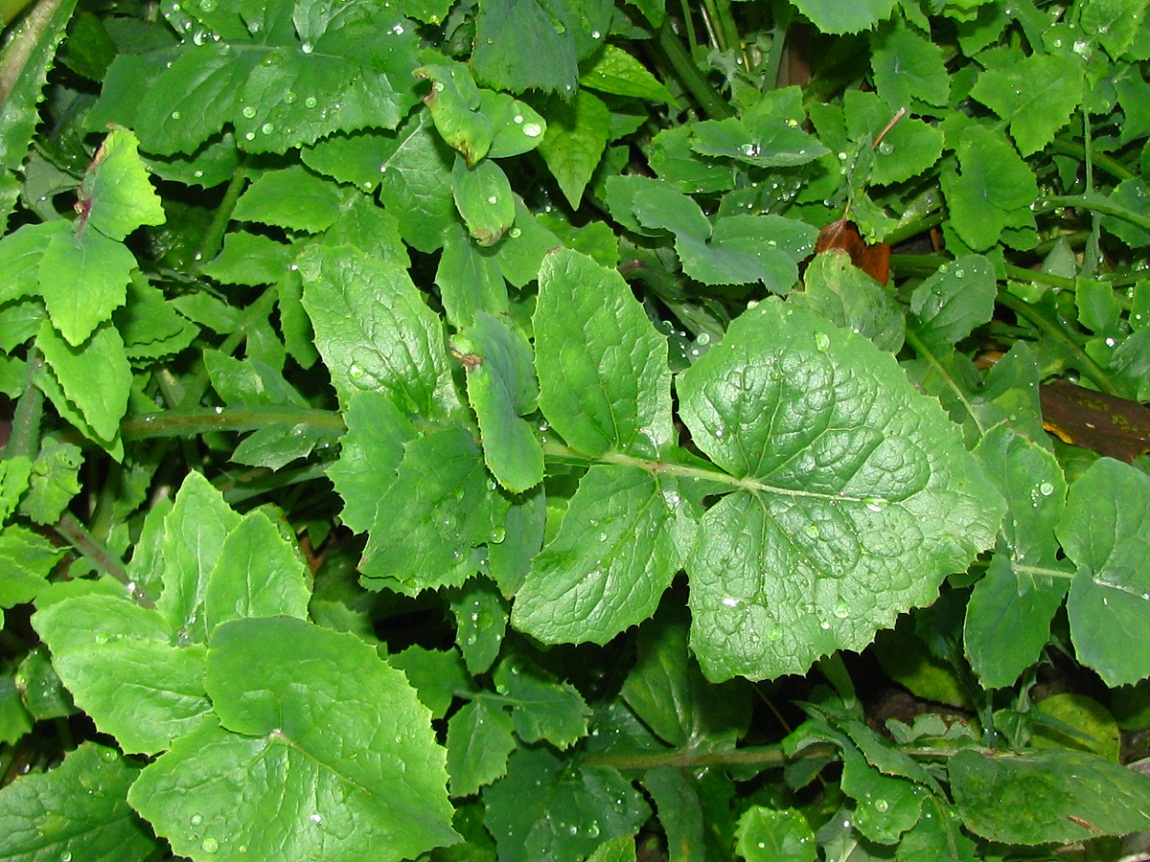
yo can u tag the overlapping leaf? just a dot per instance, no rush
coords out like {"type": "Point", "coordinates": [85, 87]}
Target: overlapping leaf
{"type": "Point", "coordinates": [853, 496]}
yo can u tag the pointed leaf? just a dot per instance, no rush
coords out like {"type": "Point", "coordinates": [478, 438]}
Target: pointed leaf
{"type": "Point", "coordinates": [95, 375]}
{"type": "Point", "coordinates": [479, 738]}
{"type": "Point", "coordinates": [503, 27]}
{"type": "Point", "coordinates": [958, 297]}
{"type": "Point", "coordinates": [374, 330]}
{"type": "Point", "coordinates": [619, 545]}
{"type": "Point", "coordinates": [293, 198]}
{"type": "Point", "coordinates": [483, 197]}
{"type": "Point", "coordinates": [831, 16]}
{"type": "Point", "coordinates": [1103, 532]}
{"type": "Point", "coordinates": [501, 388]}
{"type": "Point", "coordinates": [603, 377]}
{"type": "Point", "coordinates": [279, 686]}
{"type": "Point", "coordinates": [577, 134]}
{"type": "Point", "coordinates": [853, 494]}
{"type": "Point", "coordinates": [78, 810]}
{"type": "Point", "coordinates": [83, 279]}
{"type": "Point", "coordinates": [1035, 94]}
{"type": "Point", "coordinates": [117, 194]}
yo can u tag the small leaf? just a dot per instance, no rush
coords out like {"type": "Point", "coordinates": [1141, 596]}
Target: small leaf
{"type": "Point", "coordinates": [908, 66]}
{"type": "Point", "coordinates": [543, 810]}
{"type": "Point", "coordinates": [117, 196]}
{"type": "Point", "coordinates": [503, 27]}
{"type": "Point", "coordinates": [617, 72]}
{"type": "Point", "coordinates": [278, 685]}
{"type": "Point", "coordinates": [831, 16]}
{"type": "Point", "coordinates": [78, 810]}
{"type": "Point", "coordinates": [993, 192]}
{"type": "Point", "coordinates": [849, 298]}
{"type": "Point", "coordinates": [1102, 532]}
{"type": "Point", "coordinates": [374, 330]}
{"type": "Point", "coordinates": [621, 542]}
{"type": "Point", "coordinates": [958, 297]}
{"type": "Point", "coordinates": [480, 736]}
{"type": "Point", "coordinates": [577, 134]}
{"type": "Point", "coordinates": [603, 376]}
{"type": "Point", "coordinates": [853, 497]}
{"type": "Point", "coordinates": [542, 708]}
{"type": "Point", "coordinates": [502, 389]}
{"type": "Point", "coordinates": [1035, 94]}
{"type": "Point", "coordinates": [83, 279]}
{"type": "Point", "coordinates": [1068, 796]}
{"type": "Point", "coordinates": [107, 650]}
{"type": "Point", "coordinates": [483, 197]}
{"type": "Point", "coordinates": [453, 102]}
{"type": "Point", "coordinates": [293, 198]}
{"type": "Point", "coordinates": [95, 375]}
{"type": "Point", "coordinates": [770, 835]}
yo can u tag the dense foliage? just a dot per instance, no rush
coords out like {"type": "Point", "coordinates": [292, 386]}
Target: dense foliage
{"type": "Point", "coordinates": [561, 429]}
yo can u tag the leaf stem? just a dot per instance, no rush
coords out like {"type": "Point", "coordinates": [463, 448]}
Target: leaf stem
{"type": "Point", "coordinates": [1094, 203]}
{"type": "Point", "coordinates": [1055, 332]}
{"type": "Point", "coordinates": [213, 237]}
{"type": "Point", "coordinates": [760, 755]}
{"type": "Point", "coordinates": [712, 103]}
{"type": "Point", "coordinates": [931, 359]}
{"type": "Point", "coordinates": [77, 535]}
{"type": "Point", "coordinates": [180, 423]}
{"type": "Point", "coordinates": [26, 423]}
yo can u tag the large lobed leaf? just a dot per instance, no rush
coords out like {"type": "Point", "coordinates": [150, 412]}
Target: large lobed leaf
{"type": "Point", "coordinates": [854, 495]}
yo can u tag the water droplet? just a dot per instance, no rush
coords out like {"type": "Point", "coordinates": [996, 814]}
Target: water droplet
{"type": "Point", "coordinates": [775, 633]}
{"type": "Point", "coordinates": [316, 818]}
{"type": "Point", "coordinates": [197, 819]}
{"type": "Point", "coordinates": [289, 97]}
{"type": "Point", "coordinates": [822, 341]}
{"type": "Point", "coordinates": [515, 233]}
{"type": "Point", "coordinates": [250, 136]}
{"type": "Point", "coordinates": [824, 625]}
{"type": "Point", "coordinates": [602, 537]}
{"type": "Point", "coordinates": [881, 806]}
{"type": "Point", "coordinates": [210, 845]}
{"type": "Point", "coordinates": [841, 611]}
{"type": "Point", "coordinates": [267, 128]}
{"type": "Point", "coordinates": [813, 531]}
{"type": "Point", "coordinates": [309, 102]}
{"type": "Point", "coordinates": [875, 504]}
{"type": "Point", "coordinates": [886, 148]}
{"type": "Point", "coordinates": [175, 115]}
{"type": "Point", "coordinates": [1046, 489]}
{"type": "Point", "coordinates": [703, 339]}
{"type": "Point", "coordinates": [730, 601]}
{"type": "Point", "coordinates": [307, 47]}
{"type": "Point", "coordinates": [532, 130]}
{"type": "Point", "coordinates": [249, 112]}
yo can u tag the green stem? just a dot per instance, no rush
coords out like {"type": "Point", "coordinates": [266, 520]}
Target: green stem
{"type": "Point", "coordinates": [70, 528]}
{"type": "Point", "coordinates": [1094, 203]}
{"type": "Point", "coordinates": [711, 102]}
{"type": "Point", "coordinates": [213, 238]}
{"type": "Point", "coordinates": [183, 423]}
{"type": "Point", "coordinates": [928, 356]}
{"type": "Point", "coordinates": [764, 756]}
{"type": "Point", "coordinates": [21, 47]}
{"type": "Point", "coordinates": [1055, 332]}
{"type": "Point", "coordinates": [25, 439]}
{"type": "Point", "coordinates": [1107, 163]}
{"type": "Point", "coordinates": [779, 34]}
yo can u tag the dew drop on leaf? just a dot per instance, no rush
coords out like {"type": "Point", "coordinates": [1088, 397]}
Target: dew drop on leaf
{"type": "Point", "coordinates": [306, 47]}
{"type": "Point", "coordinates": [532, 130]}
{"type": "Point", "coordinates": [210, 845]}
{"type": "Point", "coordinates": [886, 148]}
{"type": "Point", "coordinates": [841, 611]}
{"type": "Point", "coordinates": [197, 819]}
{"type": "Point", "coordinates": [1046, 489]}
{"type": "Point", "coordinates": [249, 112]}
{"type": "Point", "coordinates": [309, 102]}
{"type": "Point", "coordinates": [822, 341]}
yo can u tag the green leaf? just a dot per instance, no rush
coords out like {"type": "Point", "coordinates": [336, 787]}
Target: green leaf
{"type": "Point", "coordinates": [852, 494]}
{"type": "Point", "coordinates": [1067, 796]}
{"type": "Point", "coordinates": [83, 278]}
{"type": "Point", "coordinates": [604, 384]}
{"type": "Point", "coordinates": [194, 534]}
{"type": "Point", "coordinates": [577, 134]}
{"type": "Point", "coordinates": [453, 103]}
{"type": "Point", "coordinates": [438, 676]}
{"type": "Point", "coordinates": [20, 254]}
{"type": "Point", "coordinates": [1035, 94]}
{"type": "Point", "coordinates": [108, 651]}
{"type": "Point", "coordinates": [623, 538]}
{"type": "Point", "coordinates": [768, 135]}
{"type": "Point", "coordinates": [617, 72]}
{"type": "Point", "coordinates": [29, 52]}
{"type": "Point", "coordinates": [542, 708]}
{"type": "Point", "coordinates": [117, 196]}
{"type": "Point", "coordinates": [479, 739]}
{"type": "Point", "coordinates": [503, 27]}
{"type": "Point", "coordinates": [432, 515]}
{"type": "Point", "coordinates": [469, 279]}
{"type": "Point", "coordinates": [293, 198]}
{"type": "Point", "coordinates": [769, 835]}
{"type": "Point", "coordinates": [886, 806]}
{"type": "Point", "coordinates": [1102, 532]}
{"type": "Point", "coordinates": [958, 297]}
{"type": "Point", "coordinates": [150, 326]}
{"type": "Point", "coordinates": [907, 67]}
{"type": "Point", "coordinates": [1114, 23]}
{"type": "Point", "coordinates": [79, 810]}
{"type": "Point", "coordinates": [95, 375]}
{"type": "Point", "coordinates": [27, 558]}
{"type": "Point", "coordinates": [501, 387]}
{"type": "Point", "coordinates": [374, 330]}
{"type": "Point", "coordinates": [517, 126]}
{"type": "Point", "coordinates": [415, 183]}
{"type": "Point", "coordinates": [344, 72]}
{"type": "Point", "coordinates": [851, 299]}
{"type": "Point", "coordinates": [908, 149]}
{"type": "Point", "coordinates": [480, 623]}
{"type": "Point", "coordinates": [279, 686]}
{"type": "Point", "coordinates": [543, 809]}
{"type": "Point", "coordinates": [830, 16]}
{"type": "Point", "coordinates": [993, 192]}
{"type": "Point", "coordinates": [1008, 617]}
{"type": "Point", "coordinates": [53, 481]}
{"type": "Point", "coordinates": [370, 455]}
{"type": "Point", "coordinates": [483, 196]}
{"type": "Point", "coordinates": [258, 574]}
